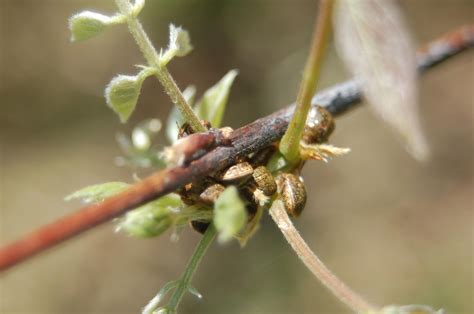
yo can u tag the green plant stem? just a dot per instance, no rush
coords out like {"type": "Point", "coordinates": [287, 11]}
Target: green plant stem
{"type": "Point", "coordinates": [315, 265]}
{"type": "Point", "coordinates": [153, 59]}
{"type": "Point", "coordinates": [193, 263]}
{"type": "Point", "coordinates": [290, 142]}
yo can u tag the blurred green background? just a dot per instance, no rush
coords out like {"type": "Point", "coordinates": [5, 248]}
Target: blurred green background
{"type": "Point", "coordinates": [395, 230]}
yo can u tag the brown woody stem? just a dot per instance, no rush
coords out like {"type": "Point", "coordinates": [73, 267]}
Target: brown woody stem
{"type": "Point", "coordinates": [250, 138]}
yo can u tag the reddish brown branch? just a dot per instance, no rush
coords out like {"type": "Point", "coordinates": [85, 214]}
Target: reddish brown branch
{"type": "Point", "coordinates": [250, 138]}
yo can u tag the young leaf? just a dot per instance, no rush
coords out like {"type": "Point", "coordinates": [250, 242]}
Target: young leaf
{"type": "Point", "coordinates": [212, 105]}
{"type": "Point", "coordinates": [179, 45]}
{"type": "Point", "coordinates": [122, 93]}
{"type": "Point", "coordinates": [375, 44]}
{"type": "Point", "coordinates": [153, 304]}
{"type": "Point", "coordinates": [179, 41]}
{"type": "Point", "coordinates": [97, 192]}
{"type": "Point", "coordinates": [229, 214]}
{"type": "Point", "coordinates": [88, 24]}
{"type": "Point", "coordinates": [151, 219]}
{"type": "Point", "coordinates": [175, 119]}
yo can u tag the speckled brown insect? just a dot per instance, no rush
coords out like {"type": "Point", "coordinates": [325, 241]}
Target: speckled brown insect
{"type": "Point", "coordinates": [240, 171]}
{"type": "Point", "coordinates": [319, 126]}
{"type": "Point", "coordinates": [292, 192]}
{"type": "Point", "coordinates": [264, 180]}
{"type": "Point", "coordinates": [211, 193]}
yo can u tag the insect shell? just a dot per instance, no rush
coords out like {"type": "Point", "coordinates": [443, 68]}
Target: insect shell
{"type": "Point", "coordinates": [247, 195]}
{"type": "Point", "coordinates": [292, 192]}
{"type": "Point", "coordinates": [264, 180]}
{"type": "Point", "coordinates": [319, 126]}
{"type": "Point", "coordinates": [211, 193]}
{"type": "Point", "coordinates": [191, 193]}
{"type": "Point", "coordinates": [208, 197]}
{"type": "Point", "coordinates": [242, 170]}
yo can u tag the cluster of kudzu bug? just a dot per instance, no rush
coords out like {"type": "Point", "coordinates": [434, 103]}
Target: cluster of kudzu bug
{"type": "Point", "coordinates": [256, 184]}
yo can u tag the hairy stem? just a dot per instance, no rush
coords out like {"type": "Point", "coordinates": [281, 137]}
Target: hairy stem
{"type": "Point", "coordinates": [315, 265]}
{"type": "Point", "coordinates": [290, 142]}
{"type": "Point", "coordinates": [153, 59]}
{"type": "Point", "coordinates": [193, 264]}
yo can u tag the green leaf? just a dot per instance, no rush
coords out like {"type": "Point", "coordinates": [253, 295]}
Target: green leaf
{"type": "Point", "coordinates": [179, 45]}
{"type": "Point", "coordinates": [88, 24]}
{"type": "Point", "coordinates": [230, 215]}
{"type": "Point", "coordinates": [151, 219]}
{"type": "Point", "coordinates": [211, 106]}
{"type": "Point", "coordinates": [97, 192]}
{"type": "Point", "coordinates": [122, 92]}
{"type": "Point", "coordinates": [153, 304]}
{"type": "Point", "coordinates": [122, 95]}
{"type": "Point", "coordinates": [175, 119]}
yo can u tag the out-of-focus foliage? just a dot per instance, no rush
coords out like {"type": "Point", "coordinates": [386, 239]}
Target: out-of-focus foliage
{"type": "Point", "coordinates": [229, 214]}
{"type": "Point", "coordinates": [89, 24]}
{"type": "Point", "coordinates": [151, 219]}
{"type": "Point", "coordinates": [377, 47]}
{"type": "Point", "coordinates": [211, 106]}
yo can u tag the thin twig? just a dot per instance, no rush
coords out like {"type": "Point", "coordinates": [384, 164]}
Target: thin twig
{"type": "Point", "coordinates": [185, 280]}
{"type": "Point", "coordinates": [183, 284]}
{"type": "Point", "coordinates": [250, 138]}
{"type": "Point", "coordinates": [315, 265]}
{"type": "Point", "coordinates": [290, 143]}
